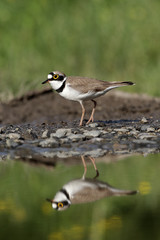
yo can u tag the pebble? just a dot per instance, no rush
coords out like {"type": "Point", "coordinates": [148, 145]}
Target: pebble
{"type": "Point", "coordinates": [144, 120]}
{"type": "Point", "coordinates": [13, 135]}
{"type": "Point", "coordinates": [95, 153]}
{"type": "Point", "coordinates": [147, 128]}
{"type": "Point", "coordinates": [93, 125]}
{"type": "Point", "coordinates": [62, 132]}
{"type": "Point", "coordinates": [93, 133]}
{"type": "Point", "coordinates": [76, 137]}
{"type": "Point", "coordinates": [45, 134]}
{"type": "Point", "coordinates": [146, 135]}
{"type": "Point", "coordinates": [143, 142]}
{"type": "Point", "coordinates": [122, 130]}
{"type": "Point", "coordinates": [11, 144]}
{"type": "Point", "coordinates": [49, 142]}
{"type": "Point", "coordinates": [150, 129]}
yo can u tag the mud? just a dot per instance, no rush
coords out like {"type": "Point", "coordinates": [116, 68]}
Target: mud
{"type": "Point", "coordinates": [47, 106]}
{"type": "Point", "coordinates": [42, 127]}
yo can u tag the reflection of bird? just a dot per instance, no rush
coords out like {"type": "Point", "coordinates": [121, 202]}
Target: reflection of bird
{"type": "Point", "coordinates": [83, 191]}
{"type": "Point", "coordinates": [81, 88]}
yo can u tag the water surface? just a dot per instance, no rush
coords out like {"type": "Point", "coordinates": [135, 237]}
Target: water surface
{"type": "Point", "coordinates": [25, 213]}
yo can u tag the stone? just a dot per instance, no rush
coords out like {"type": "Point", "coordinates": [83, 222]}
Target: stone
{"type": "Point", "coordinates": [11, 144]}
{"type": "Point", "coordinates": [49, 142]}
{"type": "Point", "coordinates": [144, 120]}
{"type": "Point", "coordinates": [93, 125]}
{"type": "Point", "coordinates": [45, 134]}
{"type": "Point", "coordinates": [150, 129]}
{"type": "Point", "coordinates": [76, 137]}
{"type": "Point", "coordinates": [144, 128]}
{"type": "Point", "coordinates": [146, 135]}
{"type": "Point", "coordinates": [122, 130]}
{"type": "Point", "coordinates": [61, 132]}
{"type": "Point", "coordinates": [13, 135]}
{"type": "Point", "coordinates": [93, 133]}
{"type": "Point", "coordinates": [95, 153]}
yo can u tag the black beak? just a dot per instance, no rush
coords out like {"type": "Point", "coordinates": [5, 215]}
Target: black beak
{"type": "Point", "coordinates": [49, 200]}
{"type": "Point", "coordinates": [45, 81]}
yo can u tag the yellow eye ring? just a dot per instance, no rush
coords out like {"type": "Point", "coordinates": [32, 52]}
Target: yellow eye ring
{"type": "Point", "coordinates": [60, 204]}
{"type": "Point", "coordinates": [55, 76]}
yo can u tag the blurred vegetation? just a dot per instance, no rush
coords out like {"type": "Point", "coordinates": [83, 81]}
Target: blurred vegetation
{"type": "Point", "coordinates": [111, 40]}
{"type": "Point", "coordinates": [25, 214]}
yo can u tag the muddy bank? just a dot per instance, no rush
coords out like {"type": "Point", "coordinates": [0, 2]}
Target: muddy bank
{"type": "Point", "coordinates": [47, 106]}
{"type": "Point", "coordinates": [42, 128]}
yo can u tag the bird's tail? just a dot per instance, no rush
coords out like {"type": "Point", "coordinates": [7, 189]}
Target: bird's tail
{"type": "Point", "coordinates": [121, 84]}
{"type": "Point", "coordinates": [118, 192]}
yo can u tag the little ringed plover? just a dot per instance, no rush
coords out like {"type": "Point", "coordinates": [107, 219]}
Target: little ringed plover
{"type": "Point", "coordinates": [81, 89]}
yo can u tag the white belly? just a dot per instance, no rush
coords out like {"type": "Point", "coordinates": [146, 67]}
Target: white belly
{"type": "Point", "coordinates": [72, 94]}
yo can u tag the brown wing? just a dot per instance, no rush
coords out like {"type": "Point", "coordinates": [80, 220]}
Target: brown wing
{"type": "Point", "coordinates": [84, 84]}
{"type": "Point", "coordinates": [91, 195]}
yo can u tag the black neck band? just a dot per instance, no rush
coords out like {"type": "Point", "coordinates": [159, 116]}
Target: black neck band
{"type": "Point", "coordinates": [65, 193]}
{"type": "Point", "coordinates": [59, 90]}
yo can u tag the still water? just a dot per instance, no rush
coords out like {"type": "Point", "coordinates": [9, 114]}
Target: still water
{"type": "Point", "coordinates": [111, 209]}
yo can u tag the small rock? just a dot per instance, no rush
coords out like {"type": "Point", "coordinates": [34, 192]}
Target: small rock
{"type": "Point", "coordinates": [146, 136]}
{"type": "Point", "coordinates": [123, 130]}
{"type": "Point", "coordinates": [64, 154]}
{"type": "Point", "coordinates": [93, 133]}
{"type": "Point", "coordinates": [93, 125]}
{"type": "Point", "coordinates": [143, 142]}
{"type": "Point", "coordinates": [144, 128]}
{"type": "Point", "coordinates": [134, 132]}
{"type": "Point", "coordinates": [49, 154]}
{"type": "Point", "coordinates": [45, 134]}
{"type": "Point", "coordinates": [49, 142]}
{"type": "Point", "coordinates": [95, 153]}
{"type": "Point", "coordinates": [144, 120]}
{"type": "Point", "coordinates": [95, 140]}
{"type": "Point", "coordinates": [13, 135]}
{"type": "Point", "coordinates": [62, 132]}
{"type": "Point", "coordinates": [76, 137]}
{"type": "Point", "coordinates": [147, 128]}
{"type": "Point", "coordinates": [11, 144]}
{"type": "Point", "coordinates": [150, 129]}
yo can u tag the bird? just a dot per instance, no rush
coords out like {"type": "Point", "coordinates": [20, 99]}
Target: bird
{"type": "Point", "coordinates": [85, 190]}
{"type": "Point", "coordinates": [81, 89]}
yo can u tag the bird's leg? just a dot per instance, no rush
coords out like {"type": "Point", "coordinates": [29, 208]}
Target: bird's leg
{"type": "Point", "coordinates": [93, 161]}
{"type": "Point", "coordinates": [93, 111]}
{"type": "Point", "coordinates": [85, 167]}
{"type": "Point", "coordinates": [83, 112]}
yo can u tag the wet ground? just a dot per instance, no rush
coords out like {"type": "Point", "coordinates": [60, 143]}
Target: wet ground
{"type": "Point", "coordinates": [49, 107]}
{"type": "Point", "coordinates": [42, 127]}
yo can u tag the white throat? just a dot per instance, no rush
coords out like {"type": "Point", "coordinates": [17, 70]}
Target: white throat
{"type": "Point", "coordinates": [55, 84]}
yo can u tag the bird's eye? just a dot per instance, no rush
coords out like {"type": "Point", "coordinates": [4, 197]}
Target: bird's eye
{"type": "Point", "coordinates": [60, 204]}
{"type": "Point", "coordinates": [55, 76]}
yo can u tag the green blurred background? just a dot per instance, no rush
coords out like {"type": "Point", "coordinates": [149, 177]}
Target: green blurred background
{"type": "Point", "coordinates": [112, 40]}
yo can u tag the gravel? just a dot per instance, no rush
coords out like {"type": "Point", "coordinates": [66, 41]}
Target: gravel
{"type": "Point", "coordinates": [45, 142]}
